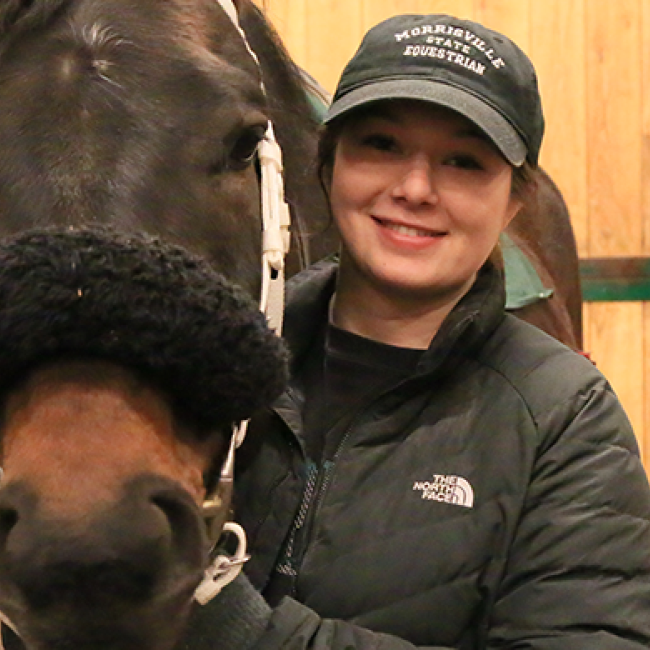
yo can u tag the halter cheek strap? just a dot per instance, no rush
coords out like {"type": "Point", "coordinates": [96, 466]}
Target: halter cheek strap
{"type": "Point", "coordinates": [229, 7]}
{"type": "Point", "coordinates": [276, 222]}
{"type": "Point", "coordinates": [276, 218]}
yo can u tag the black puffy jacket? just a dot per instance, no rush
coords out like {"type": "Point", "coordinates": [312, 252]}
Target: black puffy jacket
{"type": "Point", "coordinates": [496, 499]}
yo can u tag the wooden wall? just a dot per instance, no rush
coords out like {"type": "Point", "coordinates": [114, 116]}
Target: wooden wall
{"type": "Point", "coordinates": [593, 60]}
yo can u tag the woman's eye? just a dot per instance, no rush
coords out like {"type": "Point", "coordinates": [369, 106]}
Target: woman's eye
{"type": "Point", "coordinates": [464, 161]}
{"type": "Point", "coordinates": [380, 142]}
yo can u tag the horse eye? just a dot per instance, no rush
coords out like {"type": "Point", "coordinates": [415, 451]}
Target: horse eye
{"type": "Point", "coordinates": [244, 149]}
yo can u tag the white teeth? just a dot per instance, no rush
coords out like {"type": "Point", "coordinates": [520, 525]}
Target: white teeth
{"type": "Point", "coordinates": [405, 230]}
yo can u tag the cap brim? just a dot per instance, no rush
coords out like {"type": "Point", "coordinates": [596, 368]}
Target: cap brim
{"type": "Point", "coordinates": [497, 127]}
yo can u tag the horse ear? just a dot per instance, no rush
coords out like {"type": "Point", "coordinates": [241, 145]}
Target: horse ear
{"type": "Point", "coordinates": [236, 7]}
{"type": "Point", "coordinates": [27, 13]}
{"type": "Point", "coordinates": [239, 4]}
{"type": "Point", "coordinates": [244, 6]}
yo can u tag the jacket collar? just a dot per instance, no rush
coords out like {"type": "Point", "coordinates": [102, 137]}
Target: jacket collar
{"type": "Point", "coordinates": [464, 330]}
{"type": "Point", "coordinates": [307, 306]}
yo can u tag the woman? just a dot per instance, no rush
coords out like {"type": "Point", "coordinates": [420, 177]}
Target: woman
{"type": "Point", "coordinates": [439, 473]}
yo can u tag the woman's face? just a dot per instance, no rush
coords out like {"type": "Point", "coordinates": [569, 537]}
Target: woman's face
{"type": "Point", "coordinates": [419, 196]}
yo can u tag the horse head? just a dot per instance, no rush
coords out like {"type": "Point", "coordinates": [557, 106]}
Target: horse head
{"type": "Point", "coordinates": [147, 115]}
{"type": "Point", "coordinates": [124, 365]}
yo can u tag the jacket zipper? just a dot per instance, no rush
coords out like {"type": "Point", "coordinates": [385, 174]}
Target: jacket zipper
{"type": "Point", "coordinates": [314, 493]}
{"type": "Point", "coordinates": [288, 565]}
{"type": "Point", "coordinates": [313, 497]}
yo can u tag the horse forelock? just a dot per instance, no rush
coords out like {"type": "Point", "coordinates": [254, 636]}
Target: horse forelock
{"type": "Point", "coordinates": [19, 15]}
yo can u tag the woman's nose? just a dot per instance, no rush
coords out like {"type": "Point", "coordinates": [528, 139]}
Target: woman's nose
{"type": "Point", "coordinates": [417, 182]}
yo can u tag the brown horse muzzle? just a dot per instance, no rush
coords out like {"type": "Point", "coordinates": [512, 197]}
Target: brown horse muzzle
{"type": "Point", "coordinates": [122, 576]}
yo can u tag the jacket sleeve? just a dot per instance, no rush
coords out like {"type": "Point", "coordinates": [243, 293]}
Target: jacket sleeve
{"type": "Point", "coordinates": [240, 619]}
{"type": "Point", "coordinates": [295, 626]}
{"type": "Point", "coordinates": [578, 571]}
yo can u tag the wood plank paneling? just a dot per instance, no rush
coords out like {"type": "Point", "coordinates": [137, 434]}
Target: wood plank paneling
{"type": "Point", "coordinates": [614, 60]}
{"type": "Point", "coordinates": [510, 17]}
{"type": "Point", "coordinates": [613, 126]}
{"type": "Point", "coordinates": [562, 79]}
{"type": "Point", "coordinates": [334, 28]}
{"type": "Point", "coordinates": [374, 11]}
{"type": "Point", "coordinates": [289, 17]}
{"type": "Point", "coordinates": [644, 84]}
{"type": "Point", "coordinates": [612, 329]}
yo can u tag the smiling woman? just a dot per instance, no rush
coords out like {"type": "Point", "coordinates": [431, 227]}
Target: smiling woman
{"type": "Point", "coordinates": [420, 197]}
{"type": "Point", "coordinates": [408, 372]}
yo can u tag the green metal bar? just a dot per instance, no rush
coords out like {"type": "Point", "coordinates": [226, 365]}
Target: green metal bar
{"type": "Point", "coordinates": [615, 279]}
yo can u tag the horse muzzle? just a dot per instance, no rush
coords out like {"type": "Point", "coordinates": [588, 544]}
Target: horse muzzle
{"type": "Point", "coordinates": [120, 577]}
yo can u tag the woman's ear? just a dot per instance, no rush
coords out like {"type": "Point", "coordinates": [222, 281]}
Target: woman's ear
{"type": "Point", "coordinates": [325, 177]}
{"type": "Point", "coordinates": [515, 204]}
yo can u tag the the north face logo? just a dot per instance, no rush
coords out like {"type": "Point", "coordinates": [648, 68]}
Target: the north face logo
{"type": "Point", "coordinates": [448, 489]}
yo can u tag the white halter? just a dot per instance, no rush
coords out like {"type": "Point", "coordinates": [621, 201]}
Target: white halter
{"type": "Point", "coordinates": [276, 221]}
{"type": "Point", "coordinates": [276, 218]}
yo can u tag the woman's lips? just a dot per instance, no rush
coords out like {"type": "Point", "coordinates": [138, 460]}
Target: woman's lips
{"type": "Point", "coordinates": [408, 231]}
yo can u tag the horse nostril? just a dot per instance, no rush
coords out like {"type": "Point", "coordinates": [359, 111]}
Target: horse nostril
{"type": "Point", "coordinates": [8, 519]}
{"type": "Point", "coordinates": [183, 518]}
{"type": "Point", "coordinates": [13, 500]}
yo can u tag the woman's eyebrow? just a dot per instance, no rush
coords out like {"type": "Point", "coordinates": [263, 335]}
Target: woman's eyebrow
{"type": "Point", "coordinates": [383, 113]}
{"type": "Point", "coordinates": [474, 133]}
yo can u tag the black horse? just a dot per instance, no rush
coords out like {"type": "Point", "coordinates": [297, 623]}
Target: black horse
{"type": "Point", "coordinates": [146, 115]}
